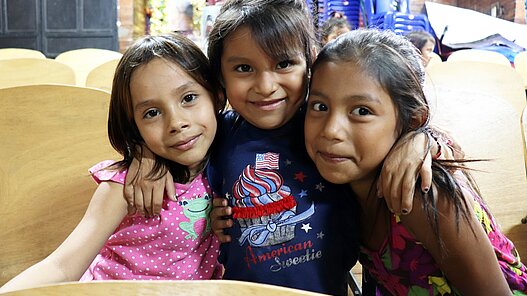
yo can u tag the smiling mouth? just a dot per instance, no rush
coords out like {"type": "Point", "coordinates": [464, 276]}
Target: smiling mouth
{"type": "Point", "coordinates": [333, 158]}
{"type": "Point", "coordinates": [187, 144]}
{"type": "Point", "coordinates": [269, 104]}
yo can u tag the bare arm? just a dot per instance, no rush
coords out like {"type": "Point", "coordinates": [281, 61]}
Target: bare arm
{"type": "Point", "coordinates": [409, 159]}
{"type": "Point", "coordinates": [144, 194]}
{"type": "Point", "coordinates": [71, 259]}
{"type": "Point", "coordinates": [468, 259]}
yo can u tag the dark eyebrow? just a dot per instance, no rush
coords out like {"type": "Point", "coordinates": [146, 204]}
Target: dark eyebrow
{"type": "Point", "coordinates": [180, 89]}
{"type": "Point", "coordinates": [355, 97]}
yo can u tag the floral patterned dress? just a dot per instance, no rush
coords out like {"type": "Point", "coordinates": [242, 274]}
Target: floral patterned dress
{"type": "Point", "coordinates": [402, 266]}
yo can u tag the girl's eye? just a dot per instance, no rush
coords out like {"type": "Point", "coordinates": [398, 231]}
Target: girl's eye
{"type": "Point", "coordinates": [189, 98]}
{"type": "Point", "coordinates": [151, 113]}
{"type": "Point", "coordinates": [243, 68]}
{"type": "Point", "coordinates": [284, 64]}
{"type": "Point", "coordinates": [361, 111]}
{"type": "Point", "coordinates": [319, 107]}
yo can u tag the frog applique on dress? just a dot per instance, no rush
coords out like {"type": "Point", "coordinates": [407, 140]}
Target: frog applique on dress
{"type": "Point", "coordinates": [197, 211]}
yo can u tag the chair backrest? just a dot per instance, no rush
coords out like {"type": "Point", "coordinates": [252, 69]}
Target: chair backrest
{"type": "Point", "coordinates": [434, 59]}
{"type": "Point", "coordinates": [520, 64]}
{"type": "Point", "coordinates": [524, 135]}
{"type": "Point", "coordinates": [161, 288]}
{"type": "Point", "coordinates": [27, 71]}
{"type": "Point", "coordinates": [102, 76]}
{"type": "Point", "coordinates": [478, 55]}
{"type": "Point", "coordinates": [480, 77]}
{"type": "Point", "coordinates": [487, 126]}
{"type": "Point", "coordinates": [51, 135]}
{"type": "Point", "coordinates": [82, 61]}
{"type": "Point", "coordinates": [17, 53]}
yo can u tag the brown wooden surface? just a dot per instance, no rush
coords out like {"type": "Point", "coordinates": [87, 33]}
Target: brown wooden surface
{"type": "Point", "coordinates": [50, 136]}
{"type": "Point", "coordinates": [83, 60]}
{"type": "Point", "coordinates": [17, 53]}
{"type": "Point", "coordinates": [153, 288]}
{"type": "Point", "coordinates": [520, 64]}
{"type": "Point", "coordinates": [483, 115]}
{"type": "Point", "coordinates": [27, 71]}
{"type": "Point", "coordinates": [102, 76]}
{"type": "Point", "coordinates": [478, 55]}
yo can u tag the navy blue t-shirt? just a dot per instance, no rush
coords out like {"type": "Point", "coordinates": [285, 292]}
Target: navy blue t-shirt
{"type": "Point", "coordinates": [292, 228]}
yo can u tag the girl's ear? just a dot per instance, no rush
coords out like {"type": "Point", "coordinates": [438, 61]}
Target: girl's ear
{"type": "Point", "coordinates": [419, 119]}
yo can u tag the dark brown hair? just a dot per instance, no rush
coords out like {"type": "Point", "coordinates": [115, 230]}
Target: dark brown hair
{"type": "Point", "coordinates": [282, 28]}
{"type": "Point", "coordinates": [395, 63]}
{"type": "Point", "coordinates": [122, 129]}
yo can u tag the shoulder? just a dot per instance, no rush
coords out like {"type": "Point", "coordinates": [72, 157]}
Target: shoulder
{"type": "Point", "coordinates": [103, 172]}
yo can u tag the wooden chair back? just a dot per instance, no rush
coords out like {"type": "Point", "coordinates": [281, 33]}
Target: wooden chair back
{"type": "Point", "coordinates": [102, 76]}
{"type": "Point", "coordinates": [487, 126]}
{"type": "Point", "coordinates": [483, 78]}
{"type": "Point", "coordinates": [19, 53]}
{"type": "Point", "coordinates": [27, 71]}
{"type": "Point", "coordinates": [161, 288]}
{"type": "Point", "coordinates": [479, 55]}
{"type": "Point", "coordinates": [434, 59]}
{"type": "Point", "coordinates": [524, 135]}
{"type": "Point", "coordinates": [520, 64]}
{"type": "Point", "coordinates": [83, 60]}
{"type": "Point", "coordinates": [51, 135]}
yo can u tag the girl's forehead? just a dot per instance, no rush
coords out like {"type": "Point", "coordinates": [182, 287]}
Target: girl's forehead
{"type": "Point", "coordinates": [272, 46]}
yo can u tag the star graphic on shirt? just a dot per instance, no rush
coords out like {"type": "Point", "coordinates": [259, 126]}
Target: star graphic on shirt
{"type": "Point", "coordinates": [306, 227]}
{"type": "Point", "coordinates": [319, 187]}
{"type": "Point", "coordinates": [320, 235]}
{"type": "Point", "coordinates": [288, 162]}
{"type": "Point", "coordinates": [300, 176]}
{"type": "Point", "coordinates": [227, 195]}
{"type": "Point", "coordinates": [302, 193]}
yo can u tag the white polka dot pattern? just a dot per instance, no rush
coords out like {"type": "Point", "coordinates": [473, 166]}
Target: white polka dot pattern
{"type": "Point", "coordinates": [170, 246]}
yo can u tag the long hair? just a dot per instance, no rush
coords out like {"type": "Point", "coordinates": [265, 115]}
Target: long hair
{"type": "Point", "coordinates": [395, 63]}
{"type": "Point", "coordinates": [282, 28]}
{"type": "Point", "coordinates": [122, 129]}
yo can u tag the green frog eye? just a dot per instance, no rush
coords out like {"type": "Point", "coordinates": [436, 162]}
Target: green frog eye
{"type": "Point", "coordinates": [183, 203]}
{"type": "Point", "coordinates": [206, 197]}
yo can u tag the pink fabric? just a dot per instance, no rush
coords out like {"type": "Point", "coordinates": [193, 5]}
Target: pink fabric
{"type": "Point", "coordinates": [176, 245]}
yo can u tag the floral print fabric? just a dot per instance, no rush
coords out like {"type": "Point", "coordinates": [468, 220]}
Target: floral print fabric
{"type": "Point", "coordinates": [402, 266]}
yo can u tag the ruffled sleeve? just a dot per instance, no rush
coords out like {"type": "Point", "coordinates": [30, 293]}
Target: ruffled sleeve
{"type": "Point", "coordinates": [100, 173]}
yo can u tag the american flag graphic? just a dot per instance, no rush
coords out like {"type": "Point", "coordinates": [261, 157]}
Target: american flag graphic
{"type": "Point", "coordinates": [267, 160]}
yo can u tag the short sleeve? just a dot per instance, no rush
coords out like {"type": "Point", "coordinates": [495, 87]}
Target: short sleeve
{"type": "Point", "coordinates": [101, 173]}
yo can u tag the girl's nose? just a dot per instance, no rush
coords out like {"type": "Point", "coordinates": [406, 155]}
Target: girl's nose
{"type": "Point", "coordinates": [334, 128]}
{"type": "Point", "coordinates": [178, 123]}
{"type": "Point", "coordinates": [266, 84]}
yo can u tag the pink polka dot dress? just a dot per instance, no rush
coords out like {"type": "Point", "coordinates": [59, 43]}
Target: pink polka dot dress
{"type": "Point", "coordinates": [176, 245]}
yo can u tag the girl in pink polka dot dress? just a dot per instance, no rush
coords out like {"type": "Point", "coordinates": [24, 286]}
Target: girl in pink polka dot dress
{"type": "Point", "coordinates": [163, 98]}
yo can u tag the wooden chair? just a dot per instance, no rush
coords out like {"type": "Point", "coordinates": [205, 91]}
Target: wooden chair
{"type": "Point", "coordinates": [82, 61]}
{"type": "Point", "coordinates": [435, 59]}
{"type": "Point", "coordinates": [18, 53]}
{"type": "Point", "coordinates": [524, 135]}
{"type": "Point", "coordinates": [520, 64]}
{"type": "Point", "coordinates": [102, 76]}
{"type": "Point", "coordinates": [478, 55]}
{"type": "Point", "coordinates": [161, 288]}
{"type": "Point", "coordinates": [487, 126]}
{"type": "Point", "coordinates": [51, 135]}
{"type": "Point", "coordinates": [27, 71]}
{"type": "Point", "coordinates": [479, 77]}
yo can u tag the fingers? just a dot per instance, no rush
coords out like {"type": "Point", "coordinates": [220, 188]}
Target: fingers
{"type": "Point", "coordinates": [220, 219]}
{"type": "Point", "coordinates": [157, 199]}
{"type": "Point", "coordinates": [169, 186]}
{"type": "Point", "coordinates": [138, 201]}
{"type": "Point", "coordinates": [407, 193]}
{"type": "Point", "coordinates": [426, 173]}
